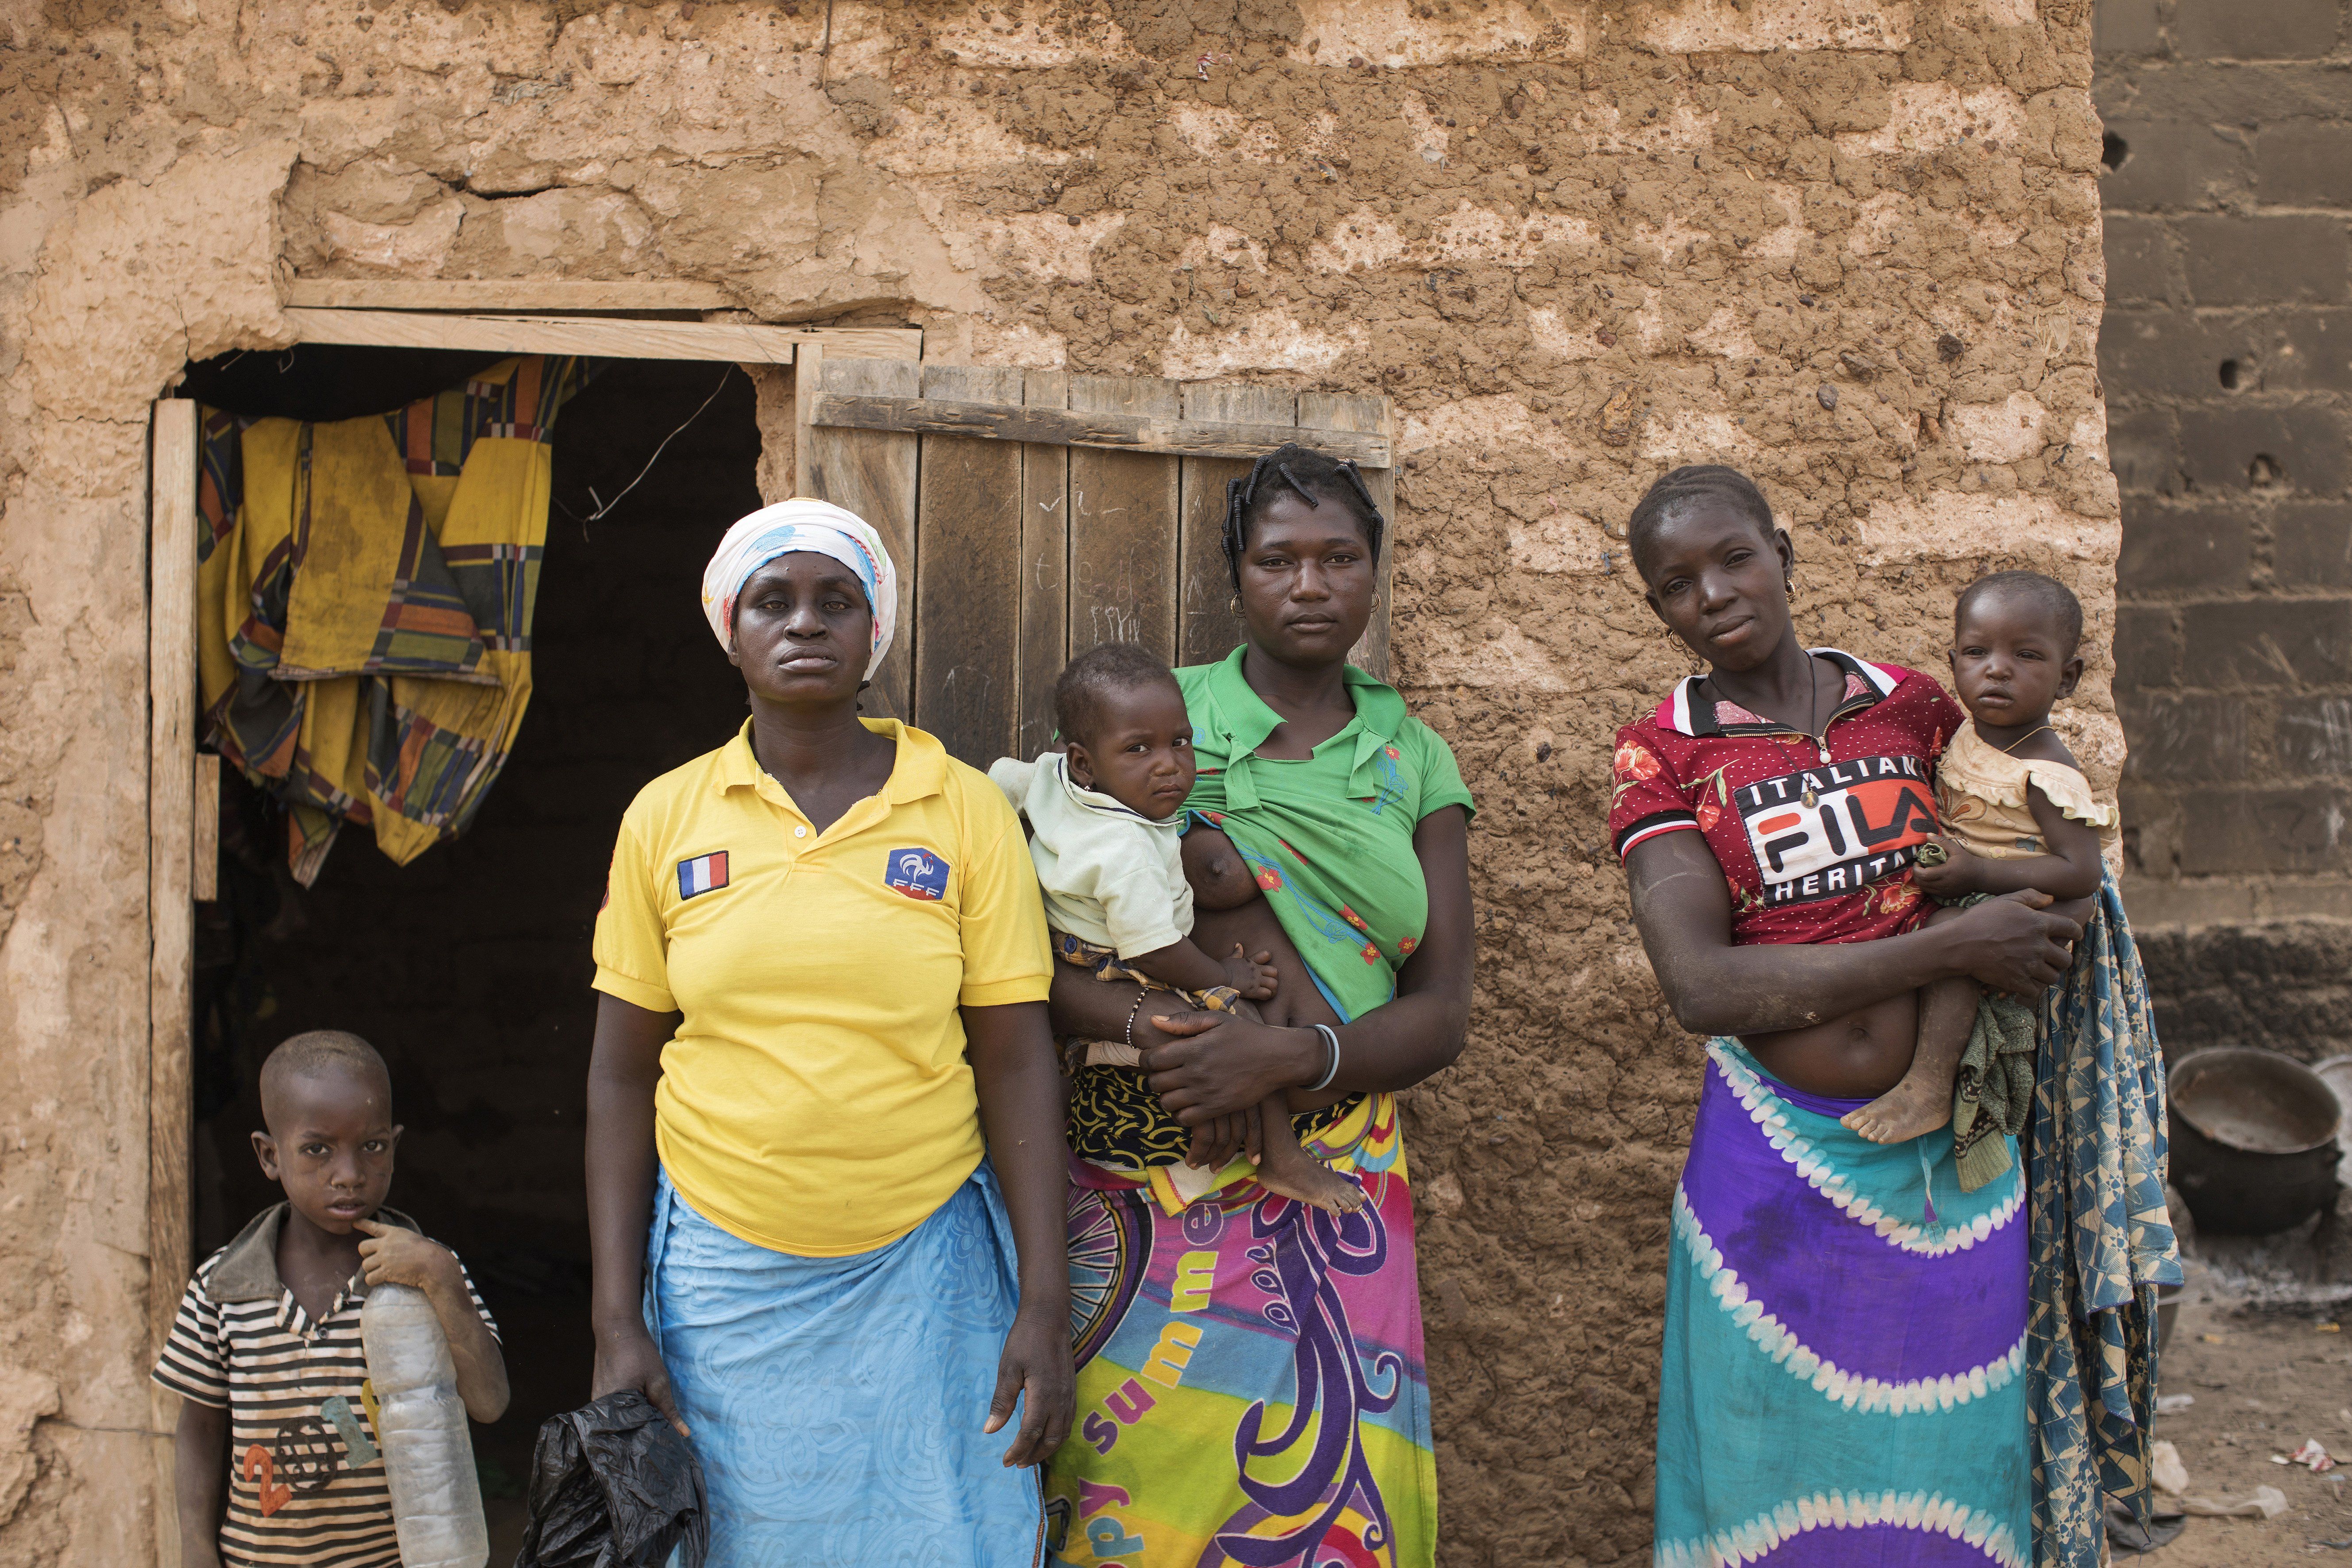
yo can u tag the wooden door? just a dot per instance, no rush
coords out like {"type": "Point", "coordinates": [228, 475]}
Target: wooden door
{"type": "Point", "coordinates": [1035, 514]}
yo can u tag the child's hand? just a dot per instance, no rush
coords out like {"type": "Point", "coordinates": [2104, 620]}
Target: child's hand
{"type": "Point", "coordinates": [394, 1255]}
{"type": "Point", "coordinates": [1252, 978]}
{"type": "Point", "coordinates": [1954, 878]}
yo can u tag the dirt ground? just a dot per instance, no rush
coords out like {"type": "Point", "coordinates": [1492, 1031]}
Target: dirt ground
{"type": "Point", "coordinates": [2264, 1381]}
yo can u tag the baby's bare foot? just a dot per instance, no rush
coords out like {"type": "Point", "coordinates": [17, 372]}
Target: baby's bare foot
{"type": "Point", "coordinates": [1917, 1105]}
{"type": "Point", "coordinates": [1294, 1173]}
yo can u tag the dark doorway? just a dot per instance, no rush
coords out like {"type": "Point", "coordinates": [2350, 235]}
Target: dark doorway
{"type": "Point", "coordinates": [469, 968]}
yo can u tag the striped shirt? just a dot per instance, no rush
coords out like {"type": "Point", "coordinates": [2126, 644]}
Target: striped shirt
{"type": "Point", "coordinates": [305, 1479]}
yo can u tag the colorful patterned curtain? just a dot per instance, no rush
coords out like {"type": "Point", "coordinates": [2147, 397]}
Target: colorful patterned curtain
{"type": "Point", "coordinates": [365, 591]}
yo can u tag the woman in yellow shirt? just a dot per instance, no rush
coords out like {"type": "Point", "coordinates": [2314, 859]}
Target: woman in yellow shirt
{"type": "Point", "coordinates": [825, 1178]}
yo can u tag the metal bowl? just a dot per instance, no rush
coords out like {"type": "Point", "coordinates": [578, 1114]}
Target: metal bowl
{"type": "Point", "coordinates": [2253, 1139]}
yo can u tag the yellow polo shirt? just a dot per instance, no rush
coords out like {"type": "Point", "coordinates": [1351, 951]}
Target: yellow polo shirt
{"type": "Point", "coordinates": [815, 1099]}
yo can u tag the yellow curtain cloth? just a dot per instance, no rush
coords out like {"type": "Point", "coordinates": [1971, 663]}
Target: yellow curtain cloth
{"type": "Point", "coordinates": [366, 590]}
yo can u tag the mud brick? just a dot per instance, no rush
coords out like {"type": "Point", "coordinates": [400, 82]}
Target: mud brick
{"type": "Point", "coordinates": [2171, 353]}
{"type": "Point", "coordinates": [2314, 736]}
{"type": "Point", "coordinates": [2172, 164]}
{"type": "Point", "coordinates": [2138, 259]}
{"type": "Point", "coordinates": [2255, 29]}
{"type": "Point", "coordinates": [2267, 642]}
{"type": "Point", "coordinates": [2223, 92]}
{"type": "Point", "coordinates": [2222, 355]}
{"type": "Point", "coordinates": [2148, 643]}
{"type": "Point", "coordinates": [2304, 163]}
{"type": "Point", "coordinates": [2290, 259]}
{"type": "Point", "coordinates": [2124, 28]}
{"type": "Point", "coordinates": [2144, 451]}
{"type": "Point", "coordinates": [2184, 738]}
{"type": "Point", "coordinates": [2204, 547]}
{"type": "Point", "coordinates": [2294, 350]}
{"type": "Point", "coordinates": [2264, 829]}
{"type": "Point", "coordinates": [2311, 544]}
{"type": "Point", "coordinates": [2304, 444]}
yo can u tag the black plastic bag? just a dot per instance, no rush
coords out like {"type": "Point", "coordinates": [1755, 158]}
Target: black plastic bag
{"type": "Point", "coordinates": [613, 1486]}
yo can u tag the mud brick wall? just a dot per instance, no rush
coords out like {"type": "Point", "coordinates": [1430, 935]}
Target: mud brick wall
{"type": "Point", "coordinates": [2227, 357]}
{"type": "Point", "coordinates": [1851, 245]}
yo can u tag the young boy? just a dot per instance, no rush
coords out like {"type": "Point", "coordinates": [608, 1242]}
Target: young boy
{"type": "Point", "coordinates": [265, 1352]}
{"type": "Point", "coordinates": [2018, 814]}
{"type": "Point", "coordinates": [1107, 825]}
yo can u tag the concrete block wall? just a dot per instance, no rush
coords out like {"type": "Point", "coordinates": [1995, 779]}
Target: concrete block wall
{"type": "Point", "coordinates": [2226, 356]}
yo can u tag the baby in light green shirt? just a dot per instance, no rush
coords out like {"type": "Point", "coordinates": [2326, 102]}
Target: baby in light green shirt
{"type": "Point", "coordinates": [1107, 822]}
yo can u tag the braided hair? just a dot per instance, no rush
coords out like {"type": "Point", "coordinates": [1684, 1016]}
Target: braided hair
{"type": "Point", "coordinates": [1687, 487]}
{"type": "Point", "coordinates": [1316, 479]}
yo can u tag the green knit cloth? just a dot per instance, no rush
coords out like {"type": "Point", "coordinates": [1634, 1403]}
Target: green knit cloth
{"type": "Point", "coordinates": [1992, 1093]}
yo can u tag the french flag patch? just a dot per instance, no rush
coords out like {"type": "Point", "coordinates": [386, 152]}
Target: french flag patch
{"type": "Point", "coordinates": [701, 874]}
{"type": "Point", "coordinates": [918, 874]}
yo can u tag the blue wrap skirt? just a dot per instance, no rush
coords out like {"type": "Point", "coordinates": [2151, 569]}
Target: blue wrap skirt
{"type": "Point", "coordinates": [837, 1402]}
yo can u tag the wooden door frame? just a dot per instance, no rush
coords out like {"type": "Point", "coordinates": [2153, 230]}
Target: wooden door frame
{"type": "Point", "coordinates": [183, 854]}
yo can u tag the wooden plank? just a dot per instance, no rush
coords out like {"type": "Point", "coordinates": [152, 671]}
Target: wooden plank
{"type": "Point", "coordinates": [1123, 508]}
{"type": "Point", "coordinates": [1119, 428]}
{"type": "Point", "coordinates": [745, 343]}
{"type": "Point", "coordinates": [203, 836]}
{"type": "Point", "coordinates": [1207, 627]}
{"type": "Point", "coordinates": [873, 473]}
{"type": "Point", "coordinates": [1045, 569]}
{"type": "Point", "coordinates": [171, 911]}
{"type": "Point", "coordinates": [808, 371]}
{"type": "Point", "coordinates": [505, 294]}
{"type": "Point", "coordinates": [1370, 413]}
{"type": "Point", "coordinates": [162, 1450]}
{"type": "Point", "coordinates": [968, 505]}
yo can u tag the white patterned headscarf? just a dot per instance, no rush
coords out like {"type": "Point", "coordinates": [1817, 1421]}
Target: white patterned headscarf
{"type": "Point", "coordinates": [802, 523]}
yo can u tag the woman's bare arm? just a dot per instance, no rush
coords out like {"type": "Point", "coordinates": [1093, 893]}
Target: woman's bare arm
{"type": "Point", "coordinates": [1682, 906]}
{"type": "Point", "coordinates": [1227, 1063]}
{"type": "Point", "coordinates": [1019, 1087]}
{"type": "Point", "coordinates": [624, 1066]}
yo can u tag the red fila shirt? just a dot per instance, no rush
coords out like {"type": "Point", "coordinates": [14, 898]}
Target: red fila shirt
{"type": "Point", "coordinates": [1816, 843]}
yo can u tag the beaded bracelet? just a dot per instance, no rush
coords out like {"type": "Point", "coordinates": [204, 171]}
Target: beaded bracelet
{"type": "Point", "coordinates": [1131, 1012]}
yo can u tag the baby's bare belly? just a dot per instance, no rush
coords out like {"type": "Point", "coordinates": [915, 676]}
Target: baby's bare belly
{"type": "Point", "coordinates": [1295, 1001]}
{"type": "Point", "coordinates": [1858, 1057]}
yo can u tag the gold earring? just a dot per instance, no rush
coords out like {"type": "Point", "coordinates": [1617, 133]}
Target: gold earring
{"type": "Point", "coordinates": [1376, 601]}
{"type": "Point", "coordinates": [1233, 606]}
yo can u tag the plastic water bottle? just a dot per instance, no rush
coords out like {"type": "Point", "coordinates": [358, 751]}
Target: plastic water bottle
{"type": "Point", "coordinates": [428, 1455]}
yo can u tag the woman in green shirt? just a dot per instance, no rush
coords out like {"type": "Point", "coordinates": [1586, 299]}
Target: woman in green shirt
{"type": "Point", "coordinates": [1250, 1372]}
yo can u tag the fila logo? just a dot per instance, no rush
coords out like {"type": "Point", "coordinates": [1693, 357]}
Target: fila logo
{"type": "Point", "coordinates": [702, 874]}
{"type": "Point", "coordinates": [917, 873]}
{"type": "Point", "coordinates": [1867, 818]}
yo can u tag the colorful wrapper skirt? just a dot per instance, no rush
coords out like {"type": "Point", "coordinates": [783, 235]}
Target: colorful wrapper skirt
{"type": "Point", "coordinates": [1846, 1343]}
{"type": "Point", "coordinates": [1251, 1385]}
{"type": "Point", "coordinates": [837, 1402]}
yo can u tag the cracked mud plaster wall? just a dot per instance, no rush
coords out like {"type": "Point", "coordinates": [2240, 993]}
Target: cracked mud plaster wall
{"type": "Point", "coordinates": [1850, 245]}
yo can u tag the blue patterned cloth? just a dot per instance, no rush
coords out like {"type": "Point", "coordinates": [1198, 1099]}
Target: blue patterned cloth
{"type": "Point", "coordinates": [837, 1402]}
{"type": "Point", "coordinates": [2102, 1240]}
{"type": "Point", "coordinates": [1842, 1379]}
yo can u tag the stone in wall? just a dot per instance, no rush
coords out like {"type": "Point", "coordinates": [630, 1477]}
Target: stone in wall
{"type": "Point", "coordinates": [1575, 244]}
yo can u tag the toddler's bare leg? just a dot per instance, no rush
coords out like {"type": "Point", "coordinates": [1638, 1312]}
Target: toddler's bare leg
{"type": "Point", "coordinates": [1283, 1167]}
{"type": "Point", "coordinates": [1923, 1100]}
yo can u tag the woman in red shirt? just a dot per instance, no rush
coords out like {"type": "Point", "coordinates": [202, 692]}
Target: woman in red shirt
{"type": "Point", "coordinates": [1845, 1328]}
